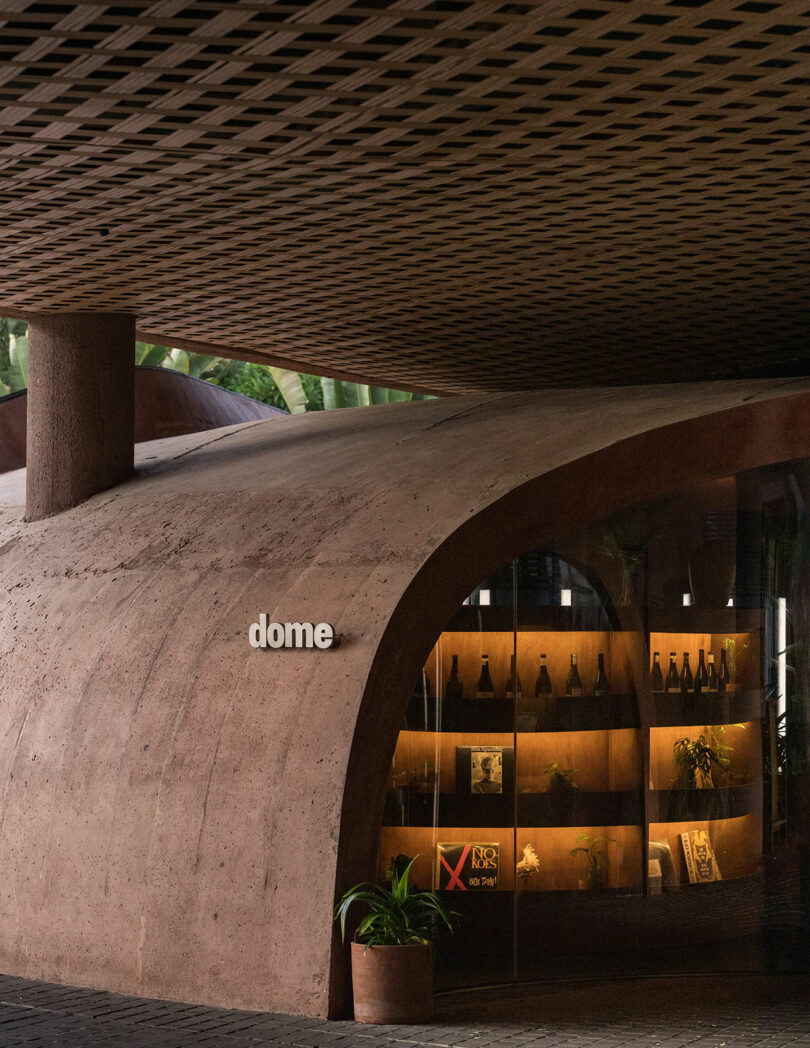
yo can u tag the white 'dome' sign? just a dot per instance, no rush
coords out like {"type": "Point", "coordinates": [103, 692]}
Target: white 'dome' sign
{"type": "Point", "coordinates": [264, 634]}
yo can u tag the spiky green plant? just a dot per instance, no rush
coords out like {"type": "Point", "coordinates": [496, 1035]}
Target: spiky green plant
{"type": "Point", "coordinates": [596, 858]}
{"type": "Point", "coordinates": [399, 916]}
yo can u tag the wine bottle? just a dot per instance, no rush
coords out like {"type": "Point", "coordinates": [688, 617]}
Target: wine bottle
{"type": "Point", "coordinates": [672, 683]}
{"type": "Point", "coordinates": [712, 685]}
{"type": "Point", "coordinates": [454, 689]}
{"type": "Point", "coordinates": [656, 676]}
{"type": "Point", "coordinates": [484, 689]}
{"type": "Point", "coordinates": [701, 675]}
{"type": "Point", "coordinates": [686, 675]}
{"type": "Point", "coordinates": [543, 685]}
{"type": "Point", "coordinates": [601, 686]}
{"type": "Point", "coordinates": [514, 689]}
{"type": "Point", "coordinates": [573, 683]}
{"type": "Point", "coordinates": [724, 677]}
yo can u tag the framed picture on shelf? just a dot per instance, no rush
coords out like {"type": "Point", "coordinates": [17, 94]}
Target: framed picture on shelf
{"type": "Point", "coordinates": [485, 769]}
{"type": "Point", "coordinates": [467, 865]}
{"type": "Point", "coordinates": [701, 864]}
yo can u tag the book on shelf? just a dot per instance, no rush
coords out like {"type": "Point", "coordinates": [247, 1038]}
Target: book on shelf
{"type": "Point", "coordinates": [701, 864]}
{"type": "Point", "coordinates": [467, 865]}
{"type": "Point", "coordinates": [485, 769]}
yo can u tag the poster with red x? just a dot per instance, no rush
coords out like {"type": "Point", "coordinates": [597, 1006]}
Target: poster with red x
{"type": "Point", "coordinates": [467, 866]}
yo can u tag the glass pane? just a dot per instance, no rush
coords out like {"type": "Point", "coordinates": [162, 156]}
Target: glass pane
{"type": "Point", "coordinates": [452, 793]}
{"type": "Point", "coordinates": [579, 763]}
{"type": "Point", "coordinates": [604, 763]}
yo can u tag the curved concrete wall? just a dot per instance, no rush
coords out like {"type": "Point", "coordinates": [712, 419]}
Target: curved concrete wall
{"type": "Point", "coordinates": [167, 404]}
{"type": "Point", "coordinates": [178, 808]}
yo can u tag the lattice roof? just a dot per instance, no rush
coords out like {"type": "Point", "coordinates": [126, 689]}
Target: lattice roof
{"type": "Point", "coordinates": [451, 195]}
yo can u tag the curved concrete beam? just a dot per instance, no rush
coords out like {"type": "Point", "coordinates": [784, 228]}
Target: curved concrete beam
{"type": "Point", "coordinates": [177, 808]}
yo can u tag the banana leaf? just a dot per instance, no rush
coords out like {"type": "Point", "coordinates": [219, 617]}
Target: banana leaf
{"type": "Point", "coordinates": [148, 355]}
{"type": "Point", "coordinates": [291, 388]}
{"type": "Point", "coordinates": [18, 362]}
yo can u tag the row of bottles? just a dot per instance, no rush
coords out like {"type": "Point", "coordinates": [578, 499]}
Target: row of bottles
{"type": "Point", "coordinates": [706, 679]}
{"type": "Point", "coordinates": [454, 689]}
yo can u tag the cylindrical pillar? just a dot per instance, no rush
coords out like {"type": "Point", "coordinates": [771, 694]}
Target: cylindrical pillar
{"type": "Point", "coordinates": [81, 408]}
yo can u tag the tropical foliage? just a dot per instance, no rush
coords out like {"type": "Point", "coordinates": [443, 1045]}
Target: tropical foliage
{"type": "Point", "coordinates": [695, 760]}
{"type": "Point", "coordinates": [398, 916]}
{"type": "Point", "coordinates": [290, 390]}
{"type": "Point", "coordinates": [13, 356]}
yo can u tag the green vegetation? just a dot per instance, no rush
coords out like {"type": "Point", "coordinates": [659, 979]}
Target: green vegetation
{"type": "Point", "coordinates": [561, 780]}
{"type": "Point", "coordinates": [13, 355]}
{"type": "Point", "coordinates": [397, 917]}
{"type": "Point", "coordinates": [596, 858]}
{"type": "Point", "coordinates": [289, 390]}
{"type": "Point", "coordinates": [694, 761]}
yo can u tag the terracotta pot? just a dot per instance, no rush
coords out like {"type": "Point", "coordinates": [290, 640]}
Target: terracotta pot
{"type": "Point", "coordinates": [392, 984]}
{"type": "Point", "coordinates": [712, 570]}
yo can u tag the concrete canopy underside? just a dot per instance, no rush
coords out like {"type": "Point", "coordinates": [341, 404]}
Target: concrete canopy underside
{"type": "Point", "coordinates": [454, 196]}
{"type": "Point", "coordinates": [178, 809]}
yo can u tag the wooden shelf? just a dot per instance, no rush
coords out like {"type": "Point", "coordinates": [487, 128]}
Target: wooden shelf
{"type": "Point", "coordinates": [703, 805]}
{"type": "Point", "coordinates": [708, 708]}
{"type": "Point", "coordinates": [551, 713]}
{"type": "Point", "coordinates": [451, 809]}
{"type": "Point", "coordinates": [405, 808]}
{"type": "Point", "coordinates": [580, 807]}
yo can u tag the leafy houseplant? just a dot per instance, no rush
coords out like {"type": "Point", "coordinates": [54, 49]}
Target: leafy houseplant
{"type": "Point", "coordinates": [561, 780]}
{"type": "Point", "coordinates": [392, 955]}
{"type": "Point", "coordinates": [695, 761]}
{"type": "Point", "coordinates": [596, 868]}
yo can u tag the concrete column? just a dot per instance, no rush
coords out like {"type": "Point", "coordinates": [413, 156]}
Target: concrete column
{"type": "Point", "coordinates": [81, 408]}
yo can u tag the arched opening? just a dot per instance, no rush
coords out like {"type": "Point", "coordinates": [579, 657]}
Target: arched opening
{"type": "Point", "coordinates": [608, 830]}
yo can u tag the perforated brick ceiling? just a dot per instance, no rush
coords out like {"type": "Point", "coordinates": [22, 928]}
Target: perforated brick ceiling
{"type": "Point", "coordinates": [449, 195]}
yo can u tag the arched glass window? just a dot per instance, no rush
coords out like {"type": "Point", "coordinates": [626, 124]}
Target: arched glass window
{"type": "Point", "coordinates": [604, 758]}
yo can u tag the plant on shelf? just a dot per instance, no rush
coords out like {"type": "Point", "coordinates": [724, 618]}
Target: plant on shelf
{"type": "Point", "coordinates": [528, 865]}
{"type": "Point", "coordinates": [392, 951]}
{"type": "Point", "coordinates": [696, 760]}
{"type": "Point", "coordinates": [596, 859]}
{"type": "Point", "coordinates": [422, 778]}
{"type": "Point", "coordinates": [561, 780]}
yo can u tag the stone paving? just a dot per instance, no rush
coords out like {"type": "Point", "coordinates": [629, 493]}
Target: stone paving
{"type": "Point", "coordinates": [746, 1011]}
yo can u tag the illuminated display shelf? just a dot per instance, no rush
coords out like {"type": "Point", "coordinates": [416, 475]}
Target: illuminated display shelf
{"type": "Point", "coordinates": [620, 747]}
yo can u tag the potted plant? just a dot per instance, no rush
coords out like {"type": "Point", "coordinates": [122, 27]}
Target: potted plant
{"type": "Point", "coordinates": [561, 780]}
{"type": "Point", "coordinates": [695, 761]}
{"type": "Point", "coordinates": [392, 951]}
{"type": "Point", "coordinates": [596, 868]}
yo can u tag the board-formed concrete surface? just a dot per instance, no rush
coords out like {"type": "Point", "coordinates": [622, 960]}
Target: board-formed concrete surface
{"type": "Point", "coordinates": [686, 1012]}
{"type": "Point", "coordinates": [177, 809]}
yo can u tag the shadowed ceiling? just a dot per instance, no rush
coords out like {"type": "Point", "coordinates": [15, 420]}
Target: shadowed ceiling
{"type": "Point", "coordinates": [452, 195]}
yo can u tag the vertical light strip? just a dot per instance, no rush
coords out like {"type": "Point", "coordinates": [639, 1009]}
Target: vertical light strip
{"type": "Point", "coordinates": [781, 654]}
{"type": "Point", "coordinates": [565, 598]}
